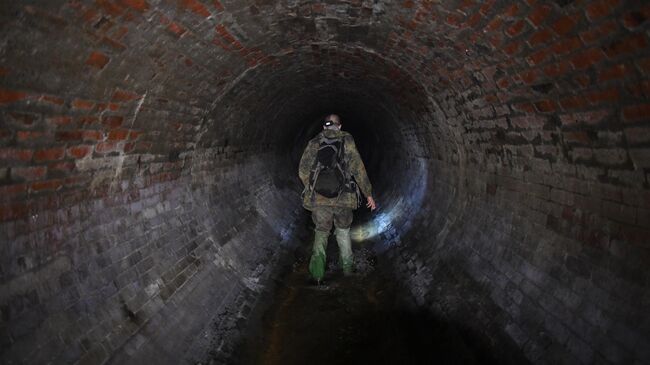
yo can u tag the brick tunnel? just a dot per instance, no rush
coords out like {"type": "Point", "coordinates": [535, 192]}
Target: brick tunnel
{"type": "Point", "coordinates": [149, 199]}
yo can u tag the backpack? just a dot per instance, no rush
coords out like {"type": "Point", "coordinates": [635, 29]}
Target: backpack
{"type": "Point", "coordinates": [328, 176]}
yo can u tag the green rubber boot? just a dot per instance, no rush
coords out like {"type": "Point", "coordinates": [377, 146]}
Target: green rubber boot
{"type": "Point", "coordinates": [317, 261]}
{"type": "Point", "coordinates": [345, 249]}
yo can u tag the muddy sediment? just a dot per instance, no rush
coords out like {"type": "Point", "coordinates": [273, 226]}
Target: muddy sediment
{"type": "Point", "coordinates": [351, 320]}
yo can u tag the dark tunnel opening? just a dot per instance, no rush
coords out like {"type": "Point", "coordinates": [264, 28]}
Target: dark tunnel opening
{"type": "Point", "coordinates": [150, 205]}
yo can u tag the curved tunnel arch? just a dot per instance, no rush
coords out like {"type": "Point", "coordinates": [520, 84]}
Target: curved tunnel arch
{"type": "Point", "coordinates": [148, 152]}
{"type": "Point", "coordinates": [288, 100]}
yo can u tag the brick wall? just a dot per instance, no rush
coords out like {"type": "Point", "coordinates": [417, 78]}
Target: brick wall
{"type": "Point", "coordinates": [142, 270]}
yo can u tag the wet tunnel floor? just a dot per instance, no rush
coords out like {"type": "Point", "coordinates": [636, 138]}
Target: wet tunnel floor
{"type": "Point", "coordinates": [349, 320]}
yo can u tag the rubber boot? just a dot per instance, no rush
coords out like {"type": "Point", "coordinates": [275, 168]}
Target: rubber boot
{"type": "Point", "coordinates": [345, 249]}
{"type": "Point", "coordinates": [317, 261]}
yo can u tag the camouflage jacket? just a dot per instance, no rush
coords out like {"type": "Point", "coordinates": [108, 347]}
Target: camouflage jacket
{"type": "Point", "coordinates": [354, 165]}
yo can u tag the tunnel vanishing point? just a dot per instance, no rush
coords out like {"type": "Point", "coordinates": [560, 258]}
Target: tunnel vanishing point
{"type": "Point", "coordinates": [149, 152]}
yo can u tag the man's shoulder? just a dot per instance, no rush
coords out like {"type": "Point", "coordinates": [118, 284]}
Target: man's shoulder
{"type": "Point", "coordinates": [347, 137]}
{"type": "Point", "coordinates": [314, 141]}
{"type": "Point", "coordinates": [340, 134]}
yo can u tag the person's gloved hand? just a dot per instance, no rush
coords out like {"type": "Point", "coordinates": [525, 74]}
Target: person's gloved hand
{"type": "Point", "coordinates": [371, 204]}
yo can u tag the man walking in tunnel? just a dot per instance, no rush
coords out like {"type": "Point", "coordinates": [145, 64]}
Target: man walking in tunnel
{"type": "Point", "coordinates": [332, 172]}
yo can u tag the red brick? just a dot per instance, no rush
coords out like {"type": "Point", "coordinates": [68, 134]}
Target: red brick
{"type": "Point", "coordinates": [635, 43]}
{"type": "Point", "coordinates": [529, 76]}
{"type": "Point", "coordinates": [50, 154]}
{"type": "Point", "coordinates": [129, 147]}
{"type": "Point", "coordinates": [564, 25]}
{"type": "Point", "coordinates": [69, 136]}
{"type": "Point", "coordinates": [491, 99]}
{"type": "Point", "coordinates": [587, 58]}
{"type": "Point", "coordinates": [511, 10]}
{"type": "Point", "coordinates": [139, 5]}
{"type": "Point", "coordinates": [217, 5]}
{"type": "Point", "coordinates": [486, 7]}
{"type": "Point", "coordinates": [13, 211]}
{"type": "Point", "coordinates": [318, 9]}
{"type": "Point", "coordinates": [97, 59]}
{"type": "Point", "coordinates": [4, 71]}
{"type": "Point", "coordinates": [82, 104]}
{"type": "Point", "coordinates": [636, 112]}
{"type": "Point", "coordinates": [603, 96]}
{"type": "Point", "coordinates": [601, 8]}
{"type": "Point", "coordinates": [92, 135]}
{"type": "Point", "coordinates": [614, 72]}
{"type": "Point", "coordinates": [12, 154]}
{"type": "Point", "coordinates": [195, 7]}
{"type": "Point", "coordinates": [112, 121]}
{"type": "Point", "coordinates": [474, 20]}
{"type": "Point", "coordinates": [118, 134]}
{"type": "Point", "coordinates": [573, 102]}
{"type": "Point", "coordinates": [110, 7]}
{"type": "Point", "coordinates": [90, 15]}
{"type": "Point", "coordinates": [176, 29]}
{"type": "Point", "coordinates": [46, 185]}
{"type": "Point", "coordinates": [134, 135]}
{"type": "Point", "coordinates": [567, 45]}
{"type": "Point", "coordinates": [494, 24]}
{"type": "Point", "coordinates": [524, 107]}
{"type": "Point", "coordinates": [454, 20]}
{"type": "Point", "coordinates": [577, 137]}
{"type": "Point", "coordinates": [512, 48]}
{"type": "Point", "coordinates": [538, 57]}
{"type": "Point", "coordinates": [86, 120]}
{"type": "Point", "coordinates": [23, 136]}
{"type": "Point", "coordinates": [540, 13]}
{"type": "Point", "coordinates": [79, 151]}
{"type": "Point", "coordinates": [9, 191]}
{"type": "Point", "coordinates": [123, 95]}
{"type": "Point", "coordinates": [516, 28]}
{"type": "Point", "coordinates": [545, 106]}
{"type": "Point", "coordinates": [105, 147]}
{"type": "Point", "coordinates": [108, 106]}
{"type": "Point", "coordinates": [557, 69]}
{"type": "Point", "coordinates": [540, 37]}
{"type": "Point", "coordinates": [28, 173]}
{"type": "Point", "coordinates": [10, 96]}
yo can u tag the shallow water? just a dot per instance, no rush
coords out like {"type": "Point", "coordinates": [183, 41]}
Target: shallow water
{"type": "Point", "coordinates": [351, 320]}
